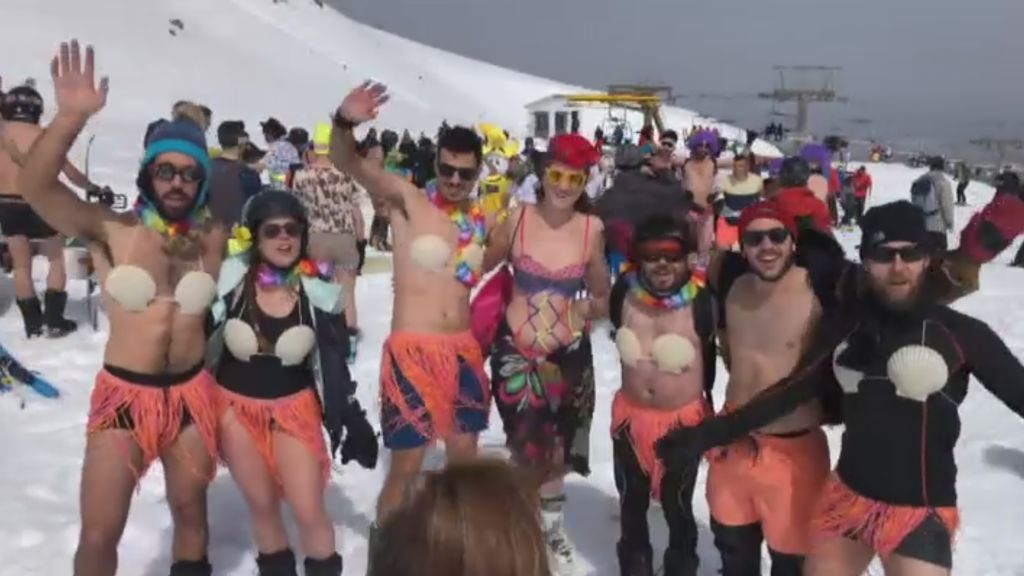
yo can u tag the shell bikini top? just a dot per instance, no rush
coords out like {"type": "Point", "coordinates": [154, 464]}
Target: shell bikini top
{"type": "Point", "coordinates": [292, 346]}
{"type": "Point", "coordinates": [432, 252]}
{"type": "Point", "coordinates": [670, 352]}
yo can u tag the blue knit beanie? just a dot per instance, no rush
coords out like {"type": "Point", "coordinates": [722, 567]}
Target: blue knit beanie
{"type": "Point", "coordinates": [185, 137]}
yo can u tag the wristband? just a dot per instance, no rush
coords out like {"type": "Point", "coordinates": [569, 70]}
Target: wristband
{"type": "Point", "coordinates": [343, 123]}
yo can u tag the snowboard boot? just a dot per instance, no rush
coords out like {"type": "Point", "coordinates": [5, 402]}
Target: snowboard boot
{"type": "Point", "coordinates": [277, 564]}
{"type": "Point", "coordinates": [57, 326]}
{"type": "Point", "coordinates": [32, 315]}
{"type": "Point", "coordinates": [560, 548]}
{"type": "Point", "coordinates": [330, 566]}
{"type": "Point", "coordinates": [635, 561]}
{"type": "Point", "coordinates": [192, 568]}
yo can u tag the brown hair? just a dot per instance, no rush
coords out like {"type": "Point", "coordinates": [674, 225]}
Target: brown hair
{"type": "Point", "coordinates": [478, 518]}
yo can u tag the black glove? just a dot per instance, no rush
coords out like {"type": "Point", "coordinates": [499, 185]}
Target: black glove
{"type": "Point", "coordinates": [683, 447]}
{"type": "Point", "coordinates": [360, 442]}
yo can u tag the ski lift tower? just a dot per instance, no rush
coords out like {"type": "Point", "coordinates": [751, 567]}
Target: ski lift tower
{"type": "Point", "coordinates": [804, 85]}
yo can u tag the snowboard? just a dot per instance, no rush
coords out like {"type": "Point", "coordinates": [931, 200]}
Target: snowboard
{"type": "Point", "coordinates": [13, 373]}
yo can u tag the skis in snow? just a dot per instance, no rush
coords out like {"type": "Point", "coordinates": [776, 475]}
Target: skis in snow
{"type": "Point", "coordinates": [14, 375]}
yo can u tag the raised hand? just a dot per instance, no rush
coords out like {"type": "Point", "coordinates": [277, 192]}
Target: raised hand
{"type": "Point", "coordinates": [363, 103]}
{"type": "Point", "coordinates": [74, 81]}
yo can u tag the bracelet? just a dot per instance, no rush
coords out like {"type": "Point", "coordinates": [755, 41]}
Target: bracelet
{"type": "Point", "coordinates": [343, 123]}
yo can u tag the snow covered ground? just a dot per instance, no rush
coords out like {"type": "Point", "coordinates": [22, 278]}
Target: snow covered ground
{"type": "Point", "coordinates": [251, 58]}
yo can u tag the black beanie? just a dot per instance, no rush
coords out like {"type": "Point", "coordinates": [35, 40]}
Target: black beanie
{"type": "Point", "coordinates": [893, 222]}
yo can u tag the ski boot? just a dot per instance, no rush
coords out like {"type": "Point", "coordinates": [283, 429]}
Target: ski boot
{"type": "Point", "coordinates": [32, 315]}
{"type": "Point", "coordinates": [277, 564]}
{"type": "Point", "coordinates": [561, 551]}
{"type": "Point", "coordinates": [635, 561]}
{"type": "Point", "coordinates": [330, 566]}
{"type": "Point", "coordinates": [191, 568]}
{"type": "Point", "coordinates": [57, 326]}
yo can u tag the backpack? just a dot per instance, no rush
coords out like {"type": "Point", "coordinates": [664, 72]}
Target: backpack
{"type": "Point", "coordinates": [924, 196]}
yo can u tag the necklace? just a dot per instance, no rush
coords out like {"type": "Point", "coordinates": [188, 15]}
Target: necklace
{"type": "Point", "coordinates": [472, 226]}
{"type": "Point", "coordinates": [680, 299]}
{"type": "Point", "coordinates": [152, 219]}
{"type": "Point", "coordinates": [271, 277]}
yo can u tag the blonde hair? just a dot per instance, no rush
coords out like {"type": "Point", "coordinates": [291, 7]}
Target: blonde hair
{"type": "Point", "coordinates": [191, 111]}
{"type": "Point", "coordinates": [478, 518]}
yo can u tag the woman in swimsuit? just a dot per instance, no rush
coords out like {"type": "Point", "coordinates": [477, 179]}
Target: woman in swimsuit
{"type": "Point", "coordinates": [541, 362]}
{"type": "Point", "coordinates": [152, 399]}
{"type": "Point", "coordinates": [279, 354]}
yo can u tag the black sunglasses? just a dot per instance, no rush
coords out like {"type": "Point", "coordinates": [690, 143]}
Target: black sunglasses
{"type": "Point", "coordinates": [776, 236]}
{"type": "Point", "coordinates": [271, 231]}
{"type": "Point", "coordinates": [888, 254]}
{"type": "Point", "coordinates": [165, 172]}
{"type": "Point", "coordinates": [465, 174]}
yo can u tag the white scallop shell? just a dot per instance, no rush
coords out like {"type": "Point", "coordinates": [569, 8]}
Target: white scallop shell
{"type": "Point", "coordinates": [294, 345]}
{"type": "Point", "coordinates": [430, 252]}
{"type": "Point", "coordinates": [628, 345]}
{"type": "Point", "coordinates": [131, 287]}
{"type": "Point", "coordinates": [194, 292]}
{"type": "Point", "coordinates": [673, 353]}
{"type": "Point", "coordinates": [917, 372]}
{"type": "Point", "coordinates": [240, 339]}
{"type": "Point", "coordinates": [473, 255]}
{"type": "Point", "coordinates": [849, 379]}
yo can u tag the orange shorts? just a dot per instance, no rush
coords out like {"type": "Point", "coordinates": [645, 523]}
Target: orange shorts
{"type": "Point", "coordinates": [727, 236]}
{"type": "Point", "coordinates": [645, 426]}
{"type": "Point", "coordinates": [773, 481]}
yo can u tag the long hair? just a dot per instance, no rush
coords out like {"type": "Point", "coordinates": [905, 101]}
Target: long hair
{"type": "Point", "coordinates": [477, 518]}
{"type": "Point", "coordinates": [583, 204]}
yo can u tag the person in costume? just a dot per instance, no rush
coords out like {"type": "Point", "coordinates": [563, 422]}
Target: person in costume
{"type": "Point", "coordinates": [699, 172]}
{"type": "Point", "coordinates": [739, 190]}
{"type": "Point", "coordinates": [153, 398]}
{"type": "Point", "coordinates": [664, 325]}
{"type": "Point", "coordinates": [21, 109]}
{"type": "Point", "coordinates": [495, 179]}
{"type": "Point", "coordinates": [331, 199]}
{"type": "Point", "coordinates": [432, 380]}
{"type": "Point", "coordinates": [541, 360]}
{"type": "Point", "coordinates": [278, 352]}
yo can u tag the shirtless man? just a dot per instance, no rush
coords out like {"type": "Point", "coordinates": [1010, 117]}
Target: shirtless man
{"type": "Point", "coordinates": [700, 169]}
{"type": "Point", "coordinates": [433, 385]}
{"type": "Point", "coordinates": [22, 109]}
{"type": "Point", "coordinates": [764, 486]}
{"type": "Point", "coordinates": [152, 398]}
{"type": "Point", "coordinates": [664, 325]}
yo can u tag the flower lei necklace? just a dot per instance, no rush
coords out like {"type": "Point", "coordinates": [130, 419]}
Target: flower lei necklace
{"type": "Point", "coordinates": [269, 277]}
{"type": "Point", "coordinates": [472, 227]}
{"type": "Point", "coordinates": [152, 219]}
{"type": "Point", "coordinates": [682, 298]}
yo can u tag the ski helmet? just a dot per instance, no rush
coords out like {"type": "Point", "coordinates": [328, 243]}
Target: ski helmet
{"type": "Point", "coordinates": [662, 227]}
{"type": "Point", "coordinates": [22, 104]}
{"type": "Point", "coordinates": [185, 137]}
{"type": "Point", "coordinates": [794, 173]}
{"type": "Point", "coordinates": [273, 203]}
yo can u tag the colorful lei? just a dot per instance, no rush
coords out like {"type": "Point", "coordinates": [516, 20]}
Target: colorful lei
{"type": "Point", "coordinates": [680, 299]}
{"type": "Point", "coordinates": [152, 219]}
{"type": "Point", "coordinates": [270, 277]}
{"type": "Point", "coordinates": [472, 227]}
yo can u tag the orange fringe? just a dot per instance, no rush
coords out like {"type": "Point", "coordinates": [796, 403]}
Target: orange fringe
{"type": "Point", "coordinates": [844, 513]}
{"type": "Point", "coordinates": [648, 425]}
{"type": "Point", "coordinates": [430, 362]}
{"type": "Point", "coordinates": [297, 415]}
{"type": "Point", "coordinates": [156, 414]}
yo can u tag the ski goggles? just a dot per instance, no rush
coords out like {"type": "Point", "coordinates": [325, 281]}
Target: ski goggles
{"type": "Point", "coordinates": [165, 172]}
{"type": "Point", "coordinates": [565, 178]}
{"type": "Point", "coordinates": [754, 238]}
{"type": "Point", "coordinates": [274, 230]}
{"type": "Point", "coordinates": [655, 251]}
{"type": "Point", "coordinates": [887, 254]}
{"type": "Point", "coordinates": [448, 171]}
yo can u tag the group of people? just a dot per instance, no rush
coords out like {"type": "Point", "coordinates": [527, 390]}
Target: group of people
{"type": "Point", "coordinates": [231, 345]}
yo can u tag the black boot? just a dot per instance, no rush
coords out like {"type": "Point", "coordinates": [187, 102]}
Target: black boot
{"type": "Point", "coordinates": [679, 563]}
{"type": "Point", "coordinates": [277, 564]}
{"type": "Point", "coordinates": [740, 548]}
{"type": "Point", "coordinates": [191, 568]}
{"type": "Point", "coordinates": [786, 564]}
{"type": "Point", "coordinates": [57, 325]}
{"type": "Point", "coordinates": [32, 315]}
{"type": "Point", "coordinates": [635, 560]}
{"type": "Point", "coordinates": [330, 566]}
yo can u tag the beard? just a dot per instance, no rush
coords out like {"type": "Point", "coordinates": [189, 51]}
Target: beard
{"type": "Point", "coordinates": [662, 289]}
{"type": "Point", "coordinates": [900, 303]}
{"type": "Point", "coordinates": [764, 276]}
{"type": "Point", "coordinates": [179, 211]}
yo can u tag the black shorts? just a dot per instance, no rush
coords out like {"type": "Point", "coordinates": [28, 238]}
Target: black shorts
{"type": "Point", "coordinates": [18, 219]}
{"type": "Point", "coordinates": [930, 542]}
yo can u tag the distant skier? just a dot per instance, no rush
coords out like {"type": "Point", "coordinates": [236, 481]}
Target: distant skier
{"type": "Point", "coordinates": [933, 194]}
{"type": "Point", "coordinates": [963, 180]}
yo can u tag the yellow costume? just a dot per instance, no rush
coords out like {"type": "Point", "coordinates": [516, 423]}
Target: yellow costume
{"type": "Point", "coordinates": [495, 183]}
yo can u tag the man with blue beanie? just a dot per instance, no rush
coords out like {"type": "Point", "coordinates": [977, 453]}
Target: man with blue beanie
{"type": "Point", "coordinates": [158, 264]}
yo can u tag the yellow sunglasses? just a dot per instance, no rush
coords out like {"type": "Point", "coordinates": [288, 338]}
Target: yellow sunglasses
{"type": "Point", "coordinates": [566, 178]}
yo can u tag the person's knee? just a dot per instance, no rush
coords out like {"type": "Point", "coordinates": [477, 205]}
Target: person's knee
{"type": "Point", "coordinates": [311, 516]}
{"type": "Point", "coordinates": [188, 507]}
{"type": "Point", "coordinates": [98, 537]}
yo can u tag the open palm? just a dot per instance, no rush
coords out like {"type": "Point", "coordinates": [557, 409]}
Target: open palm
{"type": "Point", "coordinates": [75, 81]}
{"type": "Point", "coordinates": [363, 103]}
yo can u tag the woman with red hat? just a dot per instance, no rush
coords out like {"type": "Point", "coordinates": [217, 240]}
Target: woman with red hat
{"type": "Point", "coordinates": [541, 361]}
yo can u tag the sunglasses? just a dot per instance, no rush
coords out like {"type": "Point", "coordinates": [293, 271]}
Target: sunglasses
{"type": "Point", "coordinates": [888, 254]}
{"type": "Point", "coordinates": [448, 171]}
{"type": "Point", "coordinates": [566, 178]}
{"type": "Point", "coordinates": [165, 172]}
{"type": "Point", "coordinates": [670, 256]}
{"type": "Point", "coordinates": [272, 231]}
{"type": "Point", "coordinates": [752, 238]}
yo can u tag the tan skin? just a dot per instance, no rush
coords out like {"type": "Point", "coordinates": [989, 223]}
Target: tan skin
{"type": "Point", "coordinates": [16, 139]}
{"type": "Point", "coordinates": [897, 282]}
{"type": "Point", "coordinates": [644, 384]}
{"type": "Point", "coordinates": [768, 322]}
{"type": "Point", "coordinates": [426, 301]}
{"type": "Point", "coordinates": [554, 237]}
{"type": "Point", "coordinates": [700, 179]}
{"type": "Point", "coordinates": [301, 478]}
{"type": "Point", "coordinates": [158, 340]}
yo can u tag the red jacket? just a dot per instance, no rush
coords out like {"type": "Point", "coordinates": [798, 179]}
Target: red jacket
{"type": "Point", "coordinates": [862, 184]}
{"type": "Point", "coordinates": [803, 204]}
